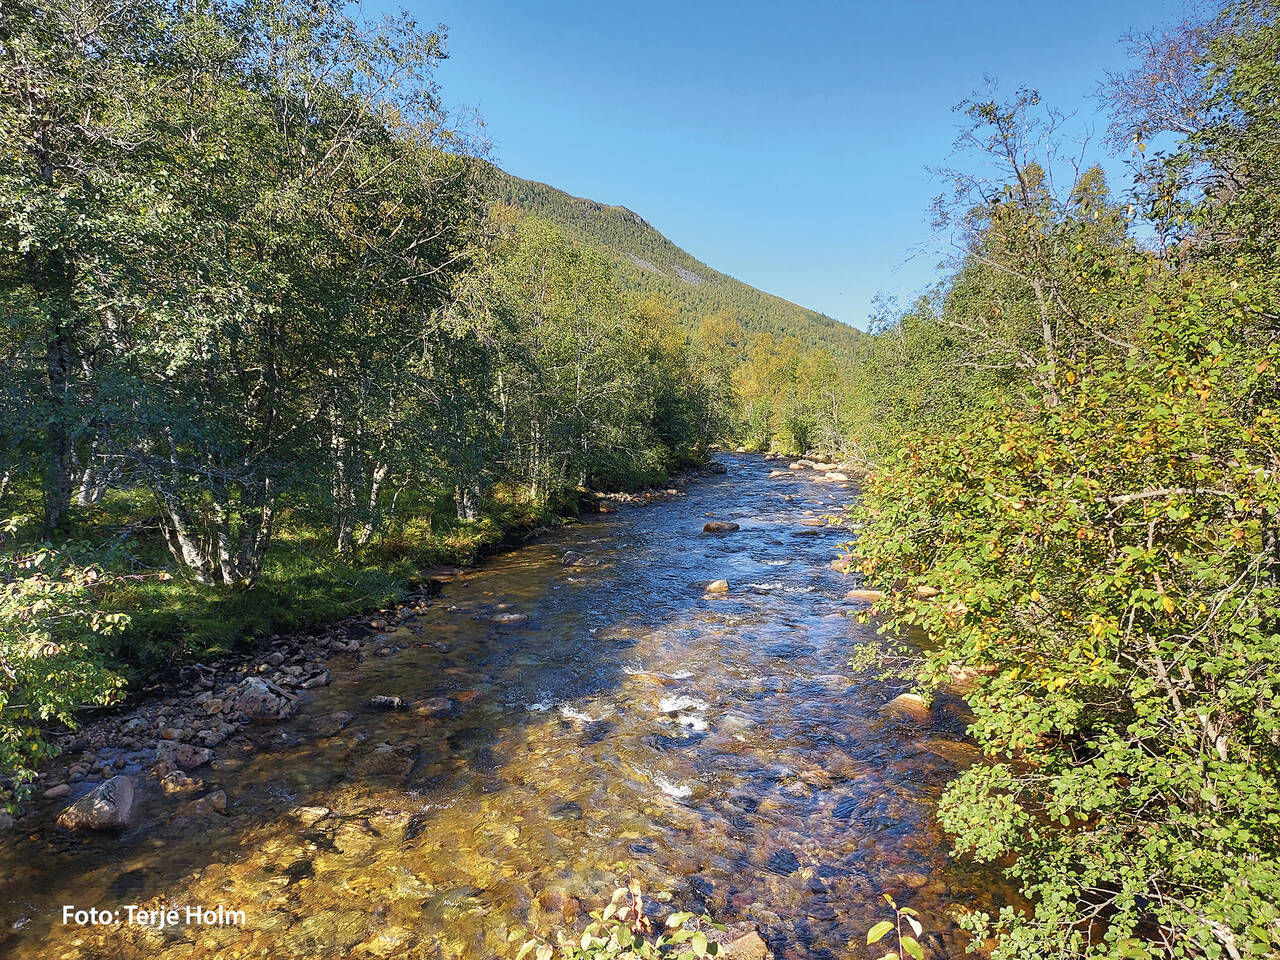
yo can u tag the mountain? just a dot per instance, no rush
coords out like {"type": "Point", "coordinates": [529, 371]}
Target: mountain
{"type": "Point", "coordinates": [649, 263]}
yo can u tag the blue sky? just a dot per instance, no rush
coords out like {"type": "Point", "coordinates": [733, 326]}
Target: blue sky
{"type": "Point", "coordinates": [782, 143]}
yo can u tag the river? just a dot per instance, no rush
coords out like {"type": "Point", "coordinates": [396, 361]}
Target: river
{"type": "Point", "coordinates": [716, 747]}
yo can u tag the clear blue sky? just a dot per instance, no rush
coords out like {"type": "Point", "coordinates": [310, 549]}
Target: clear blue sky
{"type": "Point", "coordinates": [782, 143]}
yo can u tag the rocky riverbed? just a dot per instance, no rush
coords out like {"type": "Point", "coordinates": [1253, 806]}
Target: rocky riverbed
{"type": "Point", "coordinates": [636, 695]}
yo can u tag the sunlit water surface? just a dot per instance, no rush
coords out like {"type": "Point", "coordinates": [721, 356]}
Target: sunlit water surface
{"type": "Point", "coordinates": [716, 747]}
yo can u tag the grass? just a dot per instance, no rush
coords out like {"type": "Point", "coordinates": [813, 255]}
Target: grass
{"type": "Point", "coordinates": [175, 620]}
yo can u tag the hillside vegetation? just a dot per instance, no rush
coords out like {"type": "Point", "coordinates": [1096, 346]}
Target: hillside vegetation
{"type": "Point", "coordinates": [649, 264]}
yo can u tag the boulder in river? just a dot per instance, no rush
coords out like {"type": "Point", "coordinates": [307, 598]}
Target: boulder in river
{"type": "Point", "coordinates": [720, 526]}
{"type": "Point", "coordinates": [263, 700]}
{"type": "Point", "coordinates": [718, 586]}
{"type": "Point", "coordinates": [575, 559]}
{"type": "Point", "coordinates": [384, 702]}
{"type": "Point", "coordinates": [108, 806]}
{"type": "Point", "coordinates": [908, 705]}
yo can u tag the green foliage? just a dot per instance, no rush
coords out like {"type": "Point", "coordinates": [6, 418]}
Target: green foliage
{"type": "Point", "coordinates": [623, 931]}
{"type": "Point", "coordinates": [1098, 508]}
{"type": "Point", "coordinates": [51, 659]}
{"type": "Point", "coordinates": [251, 297]}
{"type": "Point", "coordinates": [908, 943]}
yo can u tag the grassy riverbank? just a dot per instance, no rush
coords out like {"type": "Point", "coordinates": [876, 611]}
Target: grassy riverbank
{"type": "Point", "coordinates": [172, 619]}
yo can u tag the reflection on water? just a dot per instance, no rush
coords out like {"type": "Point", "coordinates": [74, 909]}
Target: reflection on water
{"type": "Point", "coordinates": [715, 746]}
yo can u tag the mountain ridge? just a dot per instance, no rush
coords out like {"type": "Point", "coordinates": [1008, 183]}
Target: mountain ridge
{"type": "Point", "coordinates": [648, 262]}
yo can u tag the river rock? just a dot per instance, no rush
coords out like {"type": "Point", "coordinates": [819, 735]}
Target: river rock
{"type": "Point", "coordinates": [718, 586]}
{"type": "Point", "coordinates": [321, 679]}
{"type": "Point", "coordinates": [575, 559]}
{"type": "Point", "coordinates": [108, 806]}
{"type": "Point", "coordinates": [509, 619]}
{"type": "Point", "coordinates": [212, 706]}
{"type": "Point", "coordinates": [908, 705]}
{"type": "Point", "coordinates": [384, 702]}
{"type": "Point", "coordinates": [720, 526]}
{"type": "Point", "coordinates": [433, 707]}
{"type": "Point", "coordinates": [310, 816]}
{"type": "Point", "coordinates": [185, 756]}
{"type": "Point", "coordinates": [330, 723]}
{"type": "Point", "coordinates": [206, 805]}
{"type": "Point", "coordinates": [180, 782]}
{"type": "Point", "coordinates": [6, 822]}
{"type": "Point", "coordinates": [135, 726]}
{"type": "Point", "coordinates": [865, 596]}
{"type": "Point", "coordinates": [748, 947]}
{"type": "Point", "coordinates": [57, 792]}
{"type": "Point", "coordinates": [263, 700]}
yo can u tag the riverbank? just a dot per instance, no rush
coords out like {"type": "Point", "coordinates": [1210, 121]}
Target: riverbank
{"type": "Point", "coordinates": [475, 776]}
{"type": "Point", "coordinates": [189, 710]}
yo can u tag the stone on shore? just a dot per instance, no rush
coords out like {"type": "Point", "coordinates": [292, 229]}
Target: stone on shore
{"type": "Point", "coordinates": [263, 700]}
{"type": "Point", "coordinates": [108, 806]}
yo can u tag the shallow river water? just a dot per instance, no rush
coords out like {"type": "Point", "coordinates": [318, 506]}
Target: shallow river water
{"type": "Point", "coordinates": [717, 747]}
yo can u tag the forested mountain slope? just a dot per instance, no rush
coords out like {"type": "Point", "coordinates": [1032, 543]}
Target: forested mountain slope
{"type": "Point", "coordinates": [649, 263]}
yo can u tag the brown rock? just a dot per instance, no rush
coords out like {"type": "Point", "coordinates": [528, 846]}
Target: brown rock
{"type": "Point", "coordinates": [182, 755]}
{"type": "Point", "coordinates": [748, 947]}
{"type": "Point", "coordinates": [263, 700]}
{"type": "Point", "coordinates": [720, 526]}
{"type": "Point", "coordinates": [865, 596]}
{"type": "Point", "coordinates": [108, 806]}
{"type": "Point", "coordinates": [180, 782]}
{"type": "Point", "coordinates": [509, 619]}
{"type": "Point", "coordinates": [206, 805]}
{"type": "Point", "coordinates": [57, 792]}
{"type": "Point", "coordinates": [433, 707]}
{"type": "Point", "coordinates": [908, 705]}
